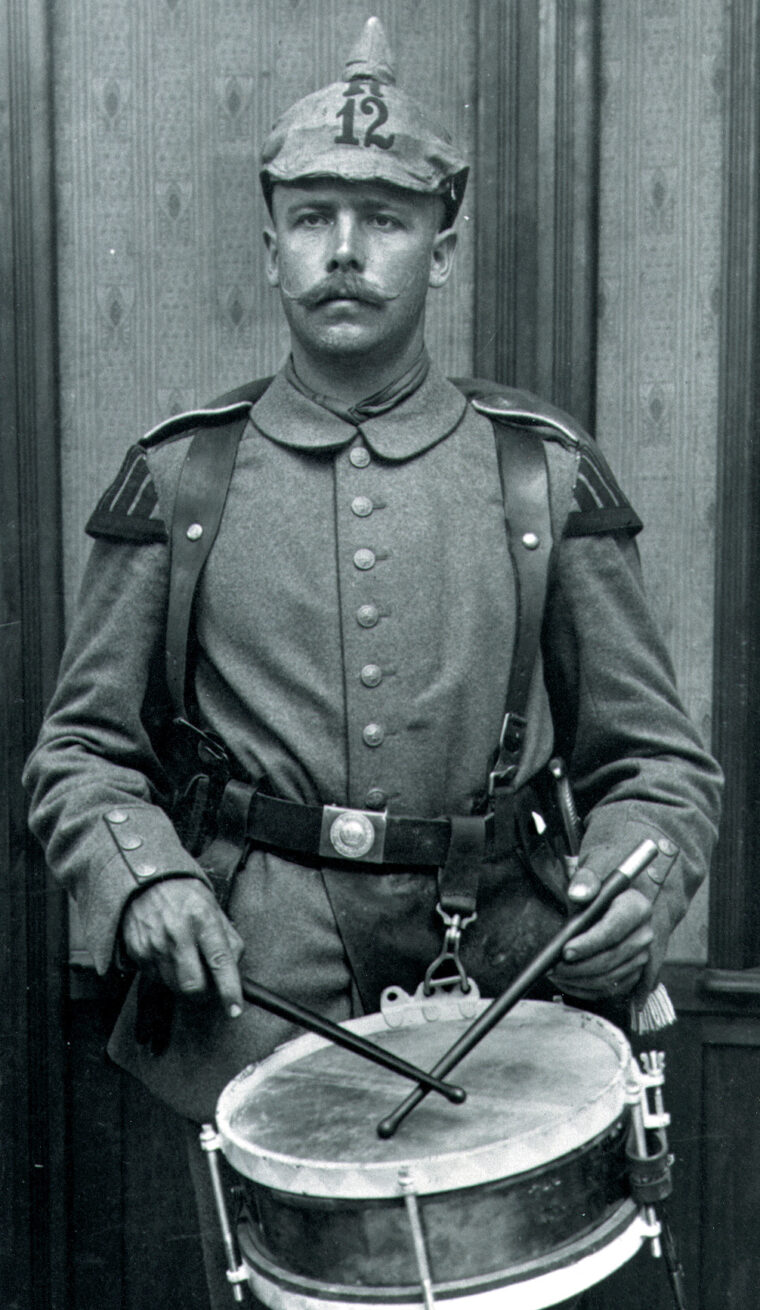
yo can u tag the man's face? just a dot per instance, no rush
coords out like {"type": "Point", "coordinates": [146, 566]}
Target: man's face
{"type": "Point", "coordinates": [354, 261]}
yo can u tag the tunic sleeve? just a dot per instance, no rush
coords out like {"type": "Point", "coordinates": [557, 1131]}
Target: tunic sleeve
{"type": "Point", "coordinates": [636, 762]}
{"type": "Point", "coordinates": [95, 781]}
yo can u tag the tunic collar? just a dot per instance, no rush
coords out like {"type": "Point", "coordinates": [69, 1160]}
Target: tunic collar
{"type": "Point", "coordinates": [431, 413]}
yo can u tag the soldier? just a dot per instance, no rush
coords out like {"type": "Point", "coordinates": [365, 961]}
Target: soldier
{"type": "Point", "coordinates": [364, 618]}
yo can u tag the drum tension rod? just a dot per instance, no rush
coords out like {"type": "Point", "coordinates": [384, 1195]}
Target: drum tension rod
{"type": "Point", "coordinates": [618, 880]}
{"type": "Point", "coordinates": [406, 1183]}
{"type": "Point", "coordinates": [237, 1274]}
{"type": "Point", "coordinates": [317, 1023]}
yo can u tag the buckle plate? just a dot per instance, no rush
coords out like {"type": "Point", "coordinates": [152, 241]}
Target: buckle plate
{"type": "Point", "coordinates": [352, 834]}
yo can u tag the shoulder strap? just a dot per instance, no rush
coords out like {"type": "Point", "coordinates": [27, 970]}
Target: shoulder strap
{"type": "Point", "coordinates": [199, 504]}
{"type": "Point", "coordinates": [525, 488]}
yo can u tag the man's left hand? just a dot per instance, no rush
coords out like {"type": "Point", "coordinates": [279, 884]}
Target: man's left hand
{"type": "Point", "coordinates": [610, 957]}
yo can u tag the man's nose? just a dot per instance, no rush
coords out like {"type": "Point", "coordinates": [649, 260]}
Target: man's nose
{"type": "Point", "coordinates": [347, 249]}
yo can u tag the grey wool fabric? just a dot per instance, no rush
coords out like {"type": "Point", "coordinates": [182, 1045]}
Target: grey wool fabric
{"type": "Point", "coordinates": [329, 564]}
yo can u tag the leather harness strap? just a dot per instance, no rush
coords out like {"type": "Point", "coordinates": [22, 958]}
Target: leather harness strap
{"type": "Point", "coordinates": [525, 488]}
{"type": "Point", "coordinates": [525, 494]}
{"type": "Point", "coordinates": [202, 490]}
{"type": "Point", "coordinates": [201, 496]}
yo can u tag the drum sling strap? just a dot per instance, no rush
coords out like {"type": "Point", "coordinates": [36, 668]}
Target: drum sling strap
{"type": "Point", "coordinates": [464, 840]}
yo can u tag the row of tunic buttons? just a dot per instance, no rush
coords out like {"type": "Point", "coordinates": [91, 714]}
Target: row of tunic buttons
{"type": "Point", "coordinates": [367, 616]}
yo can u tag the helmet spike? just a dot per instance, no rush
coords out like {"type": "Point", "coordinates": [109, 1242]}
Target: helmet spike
{"type": "Point", "coordinates": [371, 56]}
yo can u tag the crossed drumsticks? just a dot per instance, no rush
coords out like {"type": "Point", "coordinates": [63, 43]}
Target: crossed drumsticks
{"type": "Point", "coordinates": [430, 1081]}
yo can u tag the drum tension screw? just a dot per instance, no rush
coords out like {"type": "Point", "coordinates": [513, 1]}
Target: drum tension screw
{"type": "Point", "coordinates": [237, 1274]}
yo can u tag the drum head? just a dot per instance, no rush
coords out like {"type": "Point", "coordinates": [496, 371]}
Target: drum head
{"type": "Point", "coordinates": [546, 1081]}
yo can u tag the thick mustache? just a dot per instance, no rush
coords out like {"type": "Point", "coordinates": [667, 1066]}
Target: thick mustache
{"type": "Point", "coordinates": [343, 286]}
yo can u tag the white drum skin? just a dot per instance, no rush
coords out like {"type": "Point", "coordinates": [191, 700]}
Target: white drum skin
{"type": "Point", "coordinates": [523, 1186]}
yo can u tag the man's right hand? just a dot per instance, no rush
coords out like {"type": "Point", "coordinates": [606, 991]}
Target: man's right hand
{"type": "Point", "coordinates": [176, 929]}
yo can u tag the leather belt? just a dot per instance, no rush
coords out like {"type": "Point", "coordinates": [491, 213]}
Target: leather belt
{"type": "Point", "coordinates": [361, 836]}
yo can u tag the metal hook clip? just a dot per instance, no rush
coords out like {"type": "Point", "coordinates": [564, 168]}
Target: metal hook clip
{"type": "Point", "coordinates": [455, 925]}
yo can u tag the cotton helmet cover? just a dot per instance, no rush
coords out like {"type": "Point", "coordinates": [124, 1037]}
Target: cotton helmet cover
{"type": "Point", "coordinates": [365, 129]}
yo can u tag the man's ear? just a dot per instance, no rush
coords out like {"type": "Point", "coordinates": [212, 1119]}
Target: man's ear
{"type": "Point", "coordinates": [442, 257]}
{"type": "Point", "coordinates": [272, 259]}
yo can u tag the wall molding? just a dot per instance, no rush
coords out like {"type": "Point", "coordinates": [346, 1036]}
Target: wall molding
{"type": "Point", "coordinates": [32, 1108]}
{"type": "Point", "coordinates": [537, 198]}
{"type": "Point", "coordinates": [735, 905]}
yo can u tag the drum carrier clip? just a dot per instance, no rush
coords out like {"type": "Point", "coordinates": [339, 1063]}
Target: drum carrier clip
{"type": "Point", "coordinates": [647, 1153]}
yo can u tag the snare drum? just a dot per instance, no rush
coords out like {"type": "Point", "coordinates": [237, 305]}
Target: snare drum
{"type": "Point", "coordinates": [520, 1193]}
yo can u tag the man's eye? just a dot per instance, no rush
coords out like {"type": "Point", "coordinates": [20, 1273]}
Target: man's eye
{"type": "Point", "coordinates": [311, 220]}
{"type": "Point", "coordinates": [385, 221]}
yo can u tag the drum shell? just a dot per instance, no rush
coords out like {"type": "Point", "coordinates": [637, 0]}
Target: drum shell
{"type": "Point", "coordinates": [504, 1192]}
{"type": "Point", "coordinates": [469, 1232]}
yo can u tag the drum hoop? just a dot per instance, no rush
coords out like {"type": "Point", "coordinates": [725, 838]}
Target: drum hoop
{"type": "Point", "coordinates": [443, 1172]}
{"type": "Point", "coordinates": [564, 1272]}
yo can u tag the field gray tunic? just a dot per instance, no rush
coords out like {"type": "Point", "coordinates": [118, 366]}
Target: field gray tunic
{"type": "Point", "coordinates": [355, 625]}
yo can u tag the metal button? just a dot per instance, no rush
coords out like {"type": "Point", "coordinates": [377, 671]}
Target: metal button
{"type": "Point", "coordinates": [530, 541]}
{"type": "Point", "coordinates": [367, 615]}
{"type": "Point", "coordinates": [117, 816]}
{"type": "Point", "coordinates": [371, 675]}
{"type": "Point", "coordinates": [667, 847]}
{"type": "Point", "coordinates": [143, 871]}
{"type": "Point", "coordinates": [128, 843]}
{"type": "Point", "coordinates": [362, 506]}
{"type": "Point", "coordinates": [352, 834]}
{"type": "Point", "coordinates": [373, 734]}
{"type": "Point", "coordinates": [375, 798]}
{"type": "Point", "coordinates": [359, 457]}
{"type": "Point", "coordinates": [194, 531]}
{"type": "Point", "coordinates": [364, 558]}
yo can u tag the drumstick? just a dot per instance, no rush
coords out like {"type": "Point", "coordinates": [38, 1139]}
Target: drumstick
{"type": "Point", "coordinates": [317, 1023]}
{"type": "Point", "coordinates": [617, 881]}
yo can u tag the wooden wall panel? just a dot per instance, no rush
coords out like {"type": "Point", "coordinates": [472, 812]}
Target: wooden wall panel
{"type": "Point", "coordinates": [33, 1221]}
{"type": "Point", "coordinates": [735, 904]}
{"type": "Point", "coordinates": [133, 1220]}
{"type": "Point", "coordinates": [730, 1270]}
{"type": "Point", "coordinates": [535, 183]}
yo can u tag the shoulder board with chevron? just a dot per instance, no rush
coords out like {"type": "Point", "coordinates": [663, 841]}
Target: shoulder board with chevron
{"type": "Point", "coordinates": [599, 504]}
{"type": "Point", "coordinates": [129, 510]}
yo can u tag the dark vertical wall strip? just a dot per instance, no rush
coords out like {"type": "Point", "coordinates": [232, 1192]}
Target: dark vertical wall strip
{"type": "Point", "coordinates": [32, 1108]}
{"type": "Point", "coordinates": [735, 906]}
{"type": "Point", "coordinates": [505, 184]}
{"type": "Point", "coordinates": [576, 154]}
{"type": "Point", "coordinates": [536, 175]}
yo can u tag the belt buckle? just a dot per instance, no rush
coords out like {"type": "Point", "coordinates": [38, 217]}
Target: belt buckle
{"type": "Point", "coordinates": [352, 834]}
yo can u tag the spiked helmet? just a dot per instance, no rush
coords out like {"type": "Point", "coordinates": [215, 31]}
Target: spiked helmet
{"type": "Point", "coordinates": [364, 129]}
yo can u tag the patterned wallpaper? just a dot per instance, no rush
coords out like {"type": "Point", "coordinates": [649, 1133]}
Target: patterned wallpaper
{"type": "Point", "coordinates": [160, 106]}
{"type": "Point", "coordinates": [662, 125]}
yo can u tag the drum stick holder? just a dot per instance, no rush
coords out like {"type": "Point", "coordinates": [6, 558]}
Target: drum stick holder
{"type": "Point", "coordinates": [650, 1162]}
{"type": "Point", "coordinates": [647, 1154]}
{"type": "Point", "coordinates": [648, 1157]}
